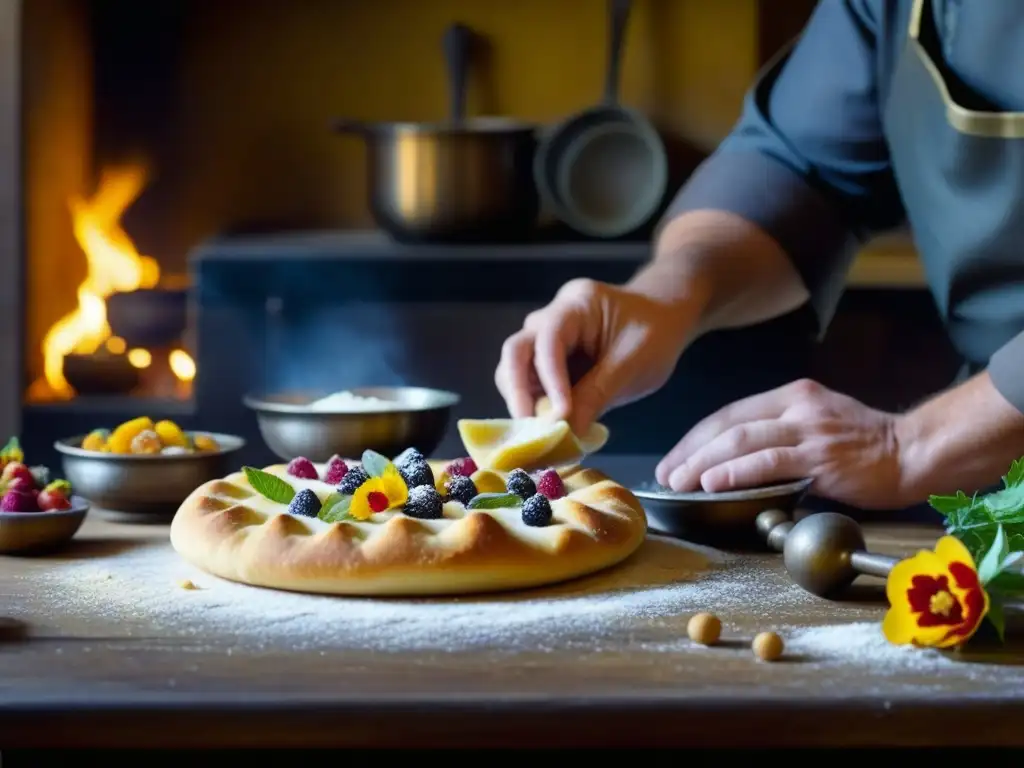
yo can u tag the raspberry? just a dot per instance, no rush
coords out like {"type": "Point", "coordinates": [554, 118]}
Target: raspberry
{"type": "Point", "coordinates": [520, 484]}
{"type": "Point", "coordinates": [19, 501]}
{"type": "Point", "coordinates": [302, 467]}
{"type": "Point", "coordinates": [424, 503]}
{"type": "Point", "coordinates": [536, 511]}
{"type": "Point", "coordinates": [460, 488]}
{"type": "Point", "coordinates": [336, 470]}
{"type": "Point", "coordinates": [304, 504]}
{"type": "Point", "coordinates": [550, 484]}
{"type": "Point", "coordinates": [464, 467]}
{"type": "Point", "coordinates": [352, 480]}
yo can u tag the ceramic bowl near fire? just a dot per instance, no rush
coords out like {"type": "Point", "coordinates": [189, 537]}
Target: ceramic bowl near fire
{"type": "Point", "coordinates": [143, 487]}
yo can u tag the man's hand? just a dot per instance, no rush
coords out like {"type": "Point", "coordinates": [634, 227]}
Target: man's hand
{"type": "Point", "coordinates": [800, 430]}
{"type": "Point", "coordinates": [633, 340]}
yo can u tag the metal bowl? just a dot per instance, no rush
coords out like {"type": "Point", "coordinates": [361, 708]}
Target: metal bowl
{"type": "Point", "coordinates": [143, 487]}
{"type": "Point", "coordinates": [724, 519]}
{"type": "Point", "coordinates": [23, 532]}
{"type": "Point", "coordinates": [290, 428]}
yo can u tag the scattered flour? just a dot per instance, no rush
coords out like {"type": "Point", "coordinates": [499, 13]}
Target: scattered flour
{"type": "Point", "coordinates": [351, 403]}
{"type": "Point", "coordinates": [144, 585]}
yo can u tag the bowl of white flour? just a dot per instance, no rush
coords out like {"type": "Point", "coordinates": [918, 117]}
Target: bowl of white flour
{"type": "Point", "coordinates": [383, 419]}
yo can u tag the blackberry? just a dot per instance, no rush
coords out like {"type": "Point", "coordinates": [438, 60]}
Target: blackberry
{"type": "Point", "coordinates": [461, 489]}
{"type": "Point", "coordinates": [416, 473]}
{"type": "Point", "coordinates": [355, 477]}
{"type": "Point", "coordinates": [537, 511]}
{"type": "Point", "coordinates": [305, 504]}
{"type": "Point", "coordinates": [521, 484]}
{"type": "Point", "coordinates": [424, 503]}
{"type": "Point", "coordinates": [407, 456]}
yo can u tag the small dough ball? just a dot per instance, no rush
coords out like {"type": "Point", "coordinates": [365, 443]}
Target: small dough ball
{"type": "Point", "coordinates": [767, 646]}
{"type": "Point", "coordinates": [704, 628]}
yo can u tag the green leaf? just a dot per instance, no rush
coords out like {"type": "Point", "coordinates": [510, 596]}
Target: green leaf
{"type": "Point", "coordinates": [12, 451]}
{"type": "Point", "coordinates": [1009, 583]}
{"type": "Point", "coordinates": [997, 618]}
{"type": "Point", "coordinates": [374, 463]}
{"type": "Point", "coordinates": [1015, 476]}
{"type": "Point", "coordinates": [991, 565]}
{"type": "Point", "coordinates": [950, 505]}
{"type": "Point", "coordinates": [271, 486]}
{"type": "Point", "coordinates": [495, 501]}
{"type": "Point", "coordinates": [335, 508]}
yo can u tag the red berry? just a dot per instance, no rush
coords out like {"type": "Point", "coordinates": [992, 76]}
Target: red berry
{"type": "Point", "coordinates": [302, 467]}
{"type": "Point", "coordinates": [53, 500]}
{"type": "Point", "coordinates": [18, 471]}
{"type": "Point", "coordinates": [550, 484]}
{"type": "Point", "coordinates": [464, 467]}
{"type": "Point", "coordinates": [19, 501]}
{"type": "Point", "coordinates": [336, 470]}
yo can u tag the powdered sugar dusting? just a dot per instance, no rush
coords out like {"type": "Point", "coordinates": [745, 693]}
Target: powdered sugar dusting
{"type": "Point", "coordinates": [664, 579]}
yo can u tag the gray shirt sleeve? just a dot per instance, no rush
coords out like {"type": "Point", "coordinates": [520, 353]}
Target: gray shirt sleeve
{"type": "Point", "coordinates": [808, 161]}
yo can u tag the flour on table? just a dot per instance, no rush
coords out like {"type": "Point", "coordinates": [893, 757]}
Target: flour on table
{"type": "Point", "coordinates": [665, 579]}
{"type": "Point", "coordinates": [347, 402]}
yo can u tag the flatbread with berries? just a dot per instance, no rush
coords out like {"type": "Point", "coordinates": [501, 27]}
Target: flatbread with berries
{"type": "Point", "coordinates": [410, 526]}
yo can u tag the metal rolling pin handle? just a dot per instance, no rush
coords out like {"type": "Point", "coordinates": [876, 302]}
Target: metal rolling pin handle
{"type": "Point", "coordinates": [824, 552]}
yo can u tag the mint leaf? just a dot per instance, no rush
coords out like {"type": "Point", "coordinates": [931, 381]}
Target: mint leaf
{"type": "Point", "coordinates": [495, 501]}
{"type": "Point", "coordinates": [950, 505]}
{"type": "Point", "coordinates": [1015, 476]}
{"type": "Point", "coordinates": [268, 485]}
{"type": "Point", "coordinates": [374, 463]}
{"type": "Point", "coordinates": [992, 564]}
{"type": "Point", "coordinates": [335, 508]}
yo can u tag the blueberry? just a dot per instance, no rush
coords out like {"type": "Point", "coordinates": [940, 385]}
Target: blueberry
{"type": "Point", "coordinates": [537, 511]}
{"type": "Point", "coordinates": [461, 489]}
{"type": "Point", "coordinates": [409, 455]}
{"type": "Point", "coordinates": [355, 477]}
{"type": "Point", "coordinates": [416, 473]}
{"type": "Point", "coordinates": [424, 503]}
{"type": "Point", "coordinates": [521, 484]}
{"type": "Point", "coordinates": [304, 504]}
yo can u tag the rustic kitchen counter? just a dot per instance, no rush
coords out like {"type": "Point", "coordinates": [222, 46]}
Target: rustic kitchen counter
{"type": "Point", "coordinates": [105, 645]}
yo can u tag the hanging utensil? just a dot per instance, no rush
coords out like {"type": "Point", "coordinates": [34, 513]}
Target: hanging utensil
{"type": "Point", "coordinates": [604, 172]}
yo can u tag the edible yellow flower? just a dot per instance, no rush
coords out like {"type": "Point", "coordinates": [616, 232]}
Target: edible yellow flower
{"type": "Point", "coordinates": [379, 494]}
{"type": "Point", "coordinates": [936, 598]}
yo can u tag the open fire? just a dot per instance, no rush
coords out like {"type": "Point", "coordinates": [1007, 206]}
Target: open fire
{"type": "Point", "coordinates": [114, 265]}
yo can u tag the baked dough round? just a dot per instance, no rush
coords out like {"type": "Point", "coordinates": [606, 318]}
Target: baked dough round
{"type": "Point", "coordinates": [228, 529]}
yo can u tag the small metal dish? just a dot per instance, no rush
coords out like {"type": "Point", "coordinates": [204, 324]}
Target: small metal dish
{"type": "Point", "coordinates": [143, 488]}
{"type": "Point", "coordinates": [723, 519]}
{"type": "Point", "coordinates": [291, 428]}
{"type": "Point", "coordinates": [30, 532]}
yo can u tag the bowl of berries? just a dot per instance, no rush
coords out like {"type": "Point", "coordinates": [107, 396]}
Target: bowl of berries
{"type": "Point", "coordinates": [142, 470]}
{"type": "Point", "coordinates": [37, 511]}
{"type": "Point", "coordinates": [382, 419]}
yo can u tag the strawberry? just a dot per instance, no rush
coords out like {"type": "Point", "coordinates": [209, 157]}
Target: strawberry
{"type": "Point", "coordinates": [57, 495]}
{"type": "Point", "coordinates": [17, 471]}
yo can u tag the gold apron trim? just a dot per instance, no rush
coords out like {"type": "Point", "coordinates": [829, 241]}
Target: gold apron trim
{"type": "Point", "coordinates": [992, 125]}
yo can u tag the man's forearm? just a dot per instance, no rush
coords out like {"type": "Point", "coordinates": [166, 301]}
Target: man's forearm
{"type": "Point", "coordinates": [963, 439]}
{"type": "Point", "coordinates": [735, 271]}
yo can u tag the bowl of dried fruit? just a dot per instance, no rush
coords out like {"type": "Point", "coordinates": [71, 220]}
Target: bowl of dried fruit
{"type": "Point", "coordinates": [142, 470]}
{"type": "Point", "coordinates": [38, 512]}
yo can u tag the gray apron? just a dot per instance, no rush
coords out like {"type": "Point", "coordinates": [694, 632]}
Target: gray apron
{"type": "Point", "coordinates": [961, 174]}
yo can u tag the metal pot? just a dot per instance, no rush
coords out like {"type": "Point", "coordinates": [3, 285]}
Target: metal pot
{"type": "Point", "coordinates": [466, 180]}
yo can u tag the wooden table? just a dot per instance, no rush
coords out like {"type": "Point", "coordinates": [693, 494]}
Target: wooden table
{"type": "Point", "coordinates": [71, 679]}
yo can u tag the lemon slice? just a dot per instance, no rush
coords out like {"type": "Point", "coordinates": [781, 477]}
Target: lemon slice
{"type": "Point", "coordinates": [506, 444]}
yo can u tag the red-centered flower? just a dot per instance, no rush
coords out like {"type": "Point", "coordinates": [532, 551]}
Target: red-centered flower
{"type": "Point", "coordinates": [936, 598]}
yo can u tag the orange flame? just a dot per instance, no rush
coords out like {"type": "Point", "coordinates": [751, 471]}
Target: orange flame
{"type": "Point", "coordinates": [114, 265]}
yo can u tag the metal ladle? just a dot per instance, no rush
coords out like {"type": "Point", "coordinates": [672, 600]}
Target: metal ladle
{"type": "Point", "coordinates": [824, 552]}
